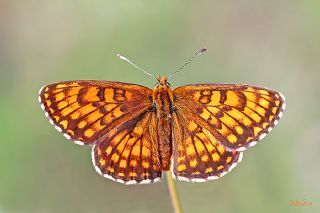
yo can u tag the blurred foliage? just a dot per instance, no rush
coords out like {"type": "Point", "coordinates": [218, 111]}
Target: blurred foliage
{"type": "Point", "coordinates": [267, 43]}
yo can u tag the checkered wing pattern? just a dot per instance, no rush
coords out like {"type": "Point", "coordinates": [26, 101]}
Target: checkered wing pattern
{"type": "Point", "coordinates": [129, 153]}
{"type": "Point", "coordinates": [197, 155]}
{"type": "Point", "coordinates": [84, 111]}
{"type": "Point", "coordinates": [236, 115]}
{"type": "Point", "coordinates": [116, 118]}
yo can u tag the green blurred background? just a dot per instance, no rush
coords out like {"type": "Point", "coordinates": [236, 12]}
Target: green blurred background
{"type": "Point", "coordinates": [275, 44]}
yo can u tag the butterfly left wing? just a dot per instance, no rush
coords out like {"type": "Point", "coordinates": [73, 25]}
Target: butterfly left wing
{"type": "Point", "coordinates": [86, 110]}
{"type": "Point", "coordinates": [116, 117]}
{"type": "Point", "coordinates": [236, 115]}
{"type": "Point", "coordinates": [129, 154]}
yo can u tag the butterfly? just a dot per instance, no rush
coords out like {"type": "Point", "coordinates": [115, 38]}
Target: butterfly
{"type": "Point", "coordinates": [197, 131]}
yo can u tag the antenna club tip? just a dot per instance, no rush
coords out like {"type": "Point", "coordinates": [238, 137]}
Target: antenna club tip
{"type": "Point", "coordinates": [203, 50]}
{"type": "Point", "coordinates": [122, 57]}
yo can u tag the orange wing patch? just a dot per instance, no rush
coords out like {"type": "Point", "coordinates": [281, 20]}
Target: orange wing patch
{"type": "Point", "coordinates": [197, 155]}
{"type": "Point", "coordinates": [237, 115]}
{"type": "Point", "coordinates": [129, 154]}
{"type": "Point", "coordinates": [84, 111]}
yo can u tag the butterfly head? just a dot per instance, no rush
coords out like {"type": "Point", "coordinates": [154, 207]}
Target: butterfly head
{"type": "Point", "coordinates": [162, 82]}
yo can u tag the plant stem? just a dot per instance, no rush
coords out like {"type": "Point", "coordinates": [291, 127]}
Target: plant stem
{"type": "Point", "coordinates": [173, 193]}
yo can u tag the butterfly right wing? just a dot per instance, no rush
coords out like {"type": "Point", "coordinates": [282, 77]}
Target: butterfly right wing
{"type": "Point", "coordinates": [197, 155]}
{"type": "Point", "coordinates": [85, 111]}
{"type": "Point", "coordinates": [237, 115]}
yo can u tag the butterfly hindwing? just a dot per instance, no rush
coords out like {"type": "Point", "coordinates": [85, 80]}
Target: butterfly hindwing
{"type": "Point", "coordinates": [129, 153]}
{"type": "Point", "coordinates": [86, 110]}
{"type": "Point", "coordinates": [236, 115]}
{"type": "Point", "coordinates": [197, 155]}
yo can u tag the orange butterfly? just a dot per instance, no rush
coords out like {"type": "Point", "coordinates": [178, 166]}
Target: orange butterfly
{"type": "Point", "coordinates": [198, 131]}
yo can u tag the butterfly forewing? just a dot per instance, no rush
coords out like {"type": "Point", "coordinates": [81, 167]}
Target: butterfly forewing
{"type": "Point", "coordinates": [236, 115]}
{"type": "Point", "coordinates": [86, 110]}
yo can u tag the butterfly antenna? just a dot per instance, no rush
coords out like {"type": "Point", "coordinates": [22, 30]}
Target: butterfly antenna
{"type": "Point", "coordinates": [127, 60]}
{"type": "Point", "coordinates": [189, 61]}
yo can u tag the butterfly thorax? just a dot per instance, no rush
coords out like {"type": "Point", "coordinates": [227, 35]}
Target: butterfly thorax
{"type": "Point", "coordinates": [163, 103]}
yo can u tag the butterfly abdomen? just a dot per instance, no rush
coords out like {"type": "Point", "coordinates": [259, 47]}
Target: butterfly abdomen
{"type": "Point", "coordinates": [163, 102]}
